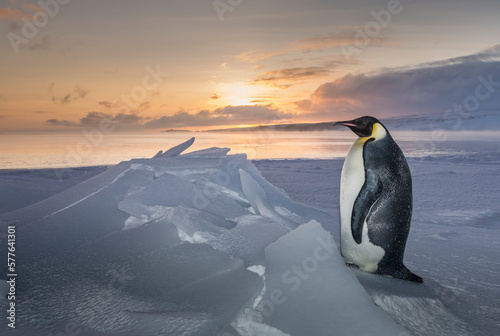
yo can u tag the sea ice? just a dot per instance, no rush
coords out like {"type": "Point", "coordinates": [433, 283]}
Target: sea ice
{"type": "Point", "coordinates": [203, 244]}
{"type": "Point", "coordinates": [309, 290]}
{"type": "Point", "coordinates": [160, 245]}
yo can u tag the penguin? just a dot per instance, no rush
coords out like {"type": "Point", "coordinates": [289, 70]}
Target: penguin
{"type": "Point", "coordinates": [375, 201]}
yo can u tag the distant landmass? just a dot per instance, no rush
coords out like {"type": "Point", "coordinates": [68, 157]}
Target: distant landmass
{"type": "Point", "coordinates": [175, 130]}
{"type": "Point", "coordinates": [449, 120]}
{"type": "Point", "coordinates": [306, 127]}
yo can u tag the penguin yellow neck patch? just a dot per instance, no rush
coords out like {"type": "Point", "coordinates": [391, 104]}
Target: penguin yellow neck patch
{"type": "Point", "coordinates": [378, 132]}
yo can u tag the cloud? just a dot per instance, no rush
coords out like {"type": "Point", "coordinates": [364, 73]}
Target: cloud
{"type": "Point", "coordinates": [428, 88]}
{"type": "Point", "coordinates": [488, 54]}
{"type": "Point", "coordinates": [106, 104]}
{"type": "Point", "coordinates": [257, 56]}
{"type": "Point", "coordinates": [93, 119]}
{"type": "Point", "coordinates": [304, 105]}
{"type": "Point", "coordinates": [32, 8]}
{"type": "Point", "coordinates": [15, 27]}
{"type": "Point", "coordinates": [143, 106]}
{"type": "Point", "coordinates": [228, 115]}
{"type": "Point", "coordinates": [2, 117]}
{"type": "Point", "coordinates": [42, 44]}
{"type": "Point", "coordinates": [10, 13]}
{"type": "Point", "coordinates": [264, 100]}
{"type": "Point", "coordinates": [286, 78]}
{"type": "Point", "coordinates": [347, 36]}
{"type": "Point", "coordinates": [215, 96]}
{"type": "Point", "coordinates": [77, 93]}
{"type": "Point", "coordinates": [138, 109]}
{"type": "Point", "coordinates": [56, 122]}
{"type": "Point", "coordinates": [26, 9]}
{"type": "Point", "coordinates": [3, 98]}
{"type": "Point", "coordinates": [127, 119]}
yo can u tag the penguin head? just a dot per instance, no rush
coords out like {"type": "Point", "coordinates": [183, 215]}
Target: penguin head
{"type": "Point", "coordinates": [363, 126]}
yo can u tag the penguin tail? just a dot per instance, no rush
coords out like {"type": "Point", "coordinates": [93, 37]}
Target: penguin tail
{"type": "Point", "coordinates": [404, 273]}
{"type": "Point", "coordinates": [410, 276]}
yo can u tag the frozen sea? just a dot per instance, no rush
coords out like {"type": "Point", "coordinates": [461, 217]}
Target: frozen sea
{"type": "Point", "coordinates": [207, 243]}
{"type": "Point", "coordinates": [79, 149]}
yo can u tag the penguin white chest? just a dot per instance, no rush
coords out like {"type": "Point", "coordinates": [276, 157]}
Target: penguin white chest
{"type": "Point", "coordinates": [366, 255]}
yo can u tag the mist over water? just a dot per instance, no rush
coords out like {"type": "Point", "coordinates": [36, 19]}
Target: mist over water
{"type": "Point", "coordinates": [40, 150]}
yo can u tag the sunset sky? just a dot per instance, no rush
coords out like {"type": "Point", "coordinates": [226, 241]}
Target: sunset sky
{"type": "Point", "coordinates": [196, 64]}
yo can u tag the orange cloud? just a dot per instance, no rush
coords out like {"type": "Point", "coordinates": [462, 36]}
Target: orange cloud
{"type": "Point", "coordinates": [303, 105]}
{"type": "Point", "coordinates": [16, 14]}
{"type": "Point", "coordinates": [33, 8]}
{"type": "Point", "coordinates": [11, 13]}
{"type": "Point", "coordinates": [257, 56]}
{"type": "Point", "coordinates": [348, 36]}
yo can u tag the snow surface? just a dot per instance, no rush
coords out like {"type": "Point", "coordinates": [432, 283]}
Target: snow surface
{"type": "Point", "coordinates": [20, 188]}
{"type": "Point", "coordinates": [203, 244]}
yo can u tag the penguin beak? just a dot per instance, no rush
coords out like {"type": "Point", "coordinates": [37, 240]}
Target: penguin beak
{"type": "Point", "coordinates": [344, 123]}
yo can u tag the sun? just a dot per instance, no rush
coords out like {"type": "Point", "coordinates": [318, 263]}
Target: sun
{"type": "Point", "coordinates": [238, 100]}
{"type": "Point", "coordinates": [237, 94]}
{"type": "Point", "coordinates": [247, 125]}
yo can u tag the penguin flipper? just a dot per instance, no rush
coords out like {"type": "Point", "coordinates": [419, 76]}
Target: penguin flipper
{"type": "Point", "coordinates": [368, 195]}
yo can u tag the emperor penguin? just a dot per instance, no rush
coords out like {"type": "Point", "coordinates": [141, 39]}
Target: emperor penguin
{"type": "Point", "coordinates": [375, 201]}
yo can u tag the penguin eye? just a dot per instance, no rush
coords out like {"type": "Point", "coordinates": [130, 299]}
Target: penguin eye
{"type": "Point", "coordinates": [367, 127]}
